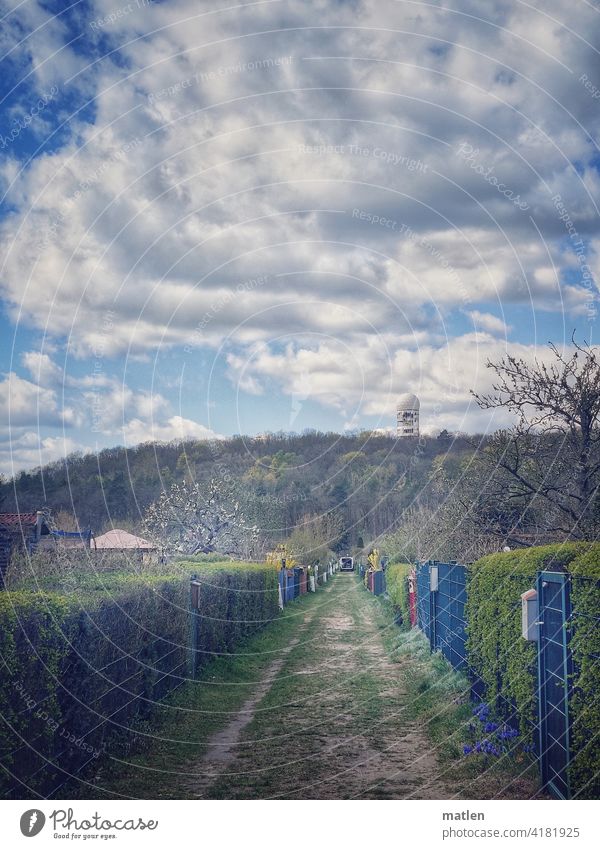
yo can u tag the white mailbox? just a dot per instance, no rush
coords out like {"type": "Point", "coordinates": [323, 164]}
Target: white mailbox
{"type": "Point", "coordinates": [433, 579]}
{"type": "Point", "coordinates": [529, 616]}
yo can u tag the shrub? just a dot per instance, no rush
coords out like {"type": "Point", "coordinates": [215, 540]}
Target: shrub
{"type": "Point", "coordinates": [213, 557]}
{"type": "Point", "coordinates": [32, 651]}
{"type": "Point", "coordinates": [52, 566]}
{"type": "Point", "coordinates": [80, 671]}
{"type": "Point", "coordinates": [396, 578]}
{"type": "Point", "coordinates": [504, 665]}
{"type": "Point", "coordinates": [585, 649]}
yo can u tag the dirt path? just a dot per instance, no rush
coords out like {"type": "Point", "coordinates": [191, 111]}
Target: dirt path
{"type": "Point", "coordinates": [326, 720]}
{"type": "Point", "coordinates": [331, 701]}
{"type": "Point", "coordinates": [221, 747]}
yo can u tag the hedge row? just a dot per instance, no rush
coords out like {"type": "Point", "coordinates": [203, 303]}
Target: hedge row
{"type": "Point", "coordinates": [585, 648]}
{"type": "Point", "coordinates": [234, 602]}
{"type": "Point", "coordinates": [503, 665]}
{"type": "Point", "coordinates": [80, 672]}
{"type": "Point", "coordinates": [396, 579]}
{"type": "Point", "coordinates": [506, 664]}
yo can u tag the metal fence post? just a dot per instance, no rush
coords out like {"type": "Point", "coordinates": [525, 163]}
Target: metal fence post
{"type": "Point", "coordinates": [194, 615]}
{"type": "Point", "coordinates": [554, 668]}
{"type": "Point", "coordinates": [433, 611]}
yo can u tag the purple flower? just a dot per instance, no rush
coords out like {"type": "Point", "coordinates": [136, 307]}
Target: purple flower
{"type": "Point", "coordinates": [467, 750]}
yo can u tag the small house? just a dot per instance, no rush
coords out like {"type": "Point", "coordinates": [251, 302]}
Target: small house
{"type": "Point", "coordinates": [123, 541]}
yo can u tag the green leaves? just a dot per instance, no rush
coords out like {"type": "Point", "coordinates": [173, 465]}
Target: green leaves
{"type": "Point", "coordinates": [506, 664]}
{"type": "Point", "coordinates": [396, 579]}
{"type": "Point", "coordinates": [79, 673]}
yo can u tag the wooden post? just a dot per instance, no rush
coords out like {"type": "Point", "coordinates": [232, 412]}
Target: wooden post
{"type": "Point", "coordinates": [194, 598]}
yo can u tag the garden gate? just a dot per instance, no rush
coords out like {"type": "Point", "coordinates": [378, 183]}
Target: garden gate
{"type": "Point", "coordinates": [449, 600]}
{"type": "Point", "coordinates": [441, 597]}
{"type": "Point", "coordinates": [554, 663]}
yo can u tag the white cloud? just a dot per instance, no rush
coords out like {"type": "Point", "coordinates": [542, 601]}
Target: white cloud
{"type": "Point", "coordinates": [25, 403]}
{"type": "Point", "coordinates": [42, 369]}
{"type": "Point", "coordinates": [309, 219]}
{"type": "Point", "coordinates": [26, 449]}
{"type": "Point", "coordinates": [176, 428]}
{"type": "Point", "coordinates": [367, 380]}
{"type": "Point", "coordinates": [491, 323]}
{"type": "Point", "coordinates": [194, 176]}
{"type": "Point", "coordinates": [116, 413]}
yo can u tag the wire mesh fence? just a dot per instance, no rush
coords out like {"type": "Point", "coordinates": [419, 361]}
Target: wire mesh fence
{"type": "Point", "coordinates": [566, 717]}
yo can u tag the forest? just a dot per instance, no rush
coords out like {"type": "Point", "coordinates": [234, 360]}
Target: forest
{"type": "Point", "coordinates": [446, 497]}
{"type": "Point", "coordinates": [367, 480]}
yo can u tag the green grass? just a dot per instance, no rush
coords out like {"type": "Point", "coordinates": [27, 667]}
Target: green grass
{"type": "Point", "coordinates": [439, 697]}
{"type": "Point", "coordinates": [164, 753]}
{"type": "Point", "coordinates": [311, 733]}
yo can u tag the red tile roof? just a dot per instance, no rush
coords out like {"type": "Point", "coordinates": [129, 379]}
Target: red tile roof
{"type": "Point", "coordinates": [17, 520]}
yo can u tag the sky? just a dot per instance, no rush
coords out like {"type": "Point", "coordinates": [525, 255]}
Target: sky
{"type": "Point", "coordinates": [222, 218]}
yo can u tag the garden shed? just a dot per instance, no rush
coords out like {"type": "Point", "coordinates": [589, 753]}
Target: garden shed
{"type": "Point", "coordinates": [20, 531]}
{"type": "Point", "coordinates": [120, 540]}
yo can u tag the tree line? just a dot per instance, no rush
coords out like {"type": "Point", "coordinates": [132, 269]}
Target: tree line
{"type": "Point", "coordinates": [448, 496]}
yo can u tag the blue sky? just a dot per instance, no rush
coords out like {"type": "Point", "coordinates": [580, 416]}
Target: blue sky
{"type": "Point", "coordinates": [280, 216]}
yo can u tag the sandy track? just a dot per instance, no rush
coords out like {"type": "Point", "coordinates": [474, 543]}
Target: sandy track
{"type": "Point", "coordinates": [346, 763]}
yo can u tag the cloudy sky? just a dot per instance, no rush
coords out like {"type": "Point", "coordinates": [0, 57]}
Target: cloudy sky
{"type": "Point", "coordinates": [226, 218]}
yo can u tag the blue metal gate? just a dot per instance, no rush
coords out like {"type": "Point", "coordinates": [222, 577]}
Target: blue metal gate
{"type": "Point", "coordinates": [553, 680]}
{"type": "Point", "coordinates": [441, 611]}
{"type": "Point", "coordinates": [441, 598]}
{"type": "Point", "coordinates": [450, 598]}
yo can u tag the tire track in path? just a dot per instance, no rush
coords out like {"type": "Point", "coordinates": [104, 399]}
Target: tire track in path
{"type": "Point", "coordinates": [222, 747]}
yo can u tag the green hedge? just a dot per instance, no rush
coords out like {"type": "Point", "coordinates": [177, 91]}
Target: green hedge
{"type": "Point", "coordinates": [585, 648]}
{"type": "Point", "coordinates": [80, 672]}
{"type": "Point", "coordinates": [505, 665]}
{"type": "Point", "coordinates": [396, 579]}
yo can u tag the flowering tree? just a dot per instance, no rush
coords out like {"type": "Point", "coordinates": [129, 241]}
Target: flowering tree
{"type": "Point", "coordinates": [375, 560]}
{"type": "Point", "coordinates": [280, 555]}
{"type": "Point", "coordinates": [199, 518]}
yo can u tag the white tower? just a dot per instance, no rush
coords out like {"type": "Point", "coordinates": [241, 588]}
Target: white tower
{"type": "Point", "coordinates": [408, 415]}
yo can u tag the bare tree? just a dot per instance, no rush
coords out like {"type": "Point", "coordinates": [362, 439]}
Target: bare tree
{"type": "Point", "coordinates": [313, 539]}
{"type": "Point", "coordinates": [200, 518]}
{"type": "Point", "coordinates": [449, 529]}
{"type": "Point", "coordinates": [549, 462]}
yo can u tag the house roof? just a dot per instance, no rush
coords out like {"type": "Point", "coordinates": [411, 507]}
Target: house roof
{"type": "Point", "coordinates": [120, 539]}
{"type": "Point", "coordinates": [15, 522]}
{"type": "Point", "coordinates": [9, 519]}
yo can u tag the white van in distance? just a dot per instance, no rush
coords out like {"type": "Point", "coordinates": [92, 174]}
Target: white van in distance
{"type": "Point", "coordinates": [346, 564]}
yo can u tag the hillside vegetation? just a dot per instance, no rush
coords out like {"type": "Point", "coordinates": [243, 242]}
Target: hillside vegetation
{"type": "Point", "coordinates": [367, 480]}
{"type": "Point", "coordinates": [535, 482]}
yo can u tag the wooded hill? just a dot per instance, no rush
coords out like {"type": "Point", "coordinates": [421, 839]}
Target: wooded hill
{"type": "Point", "coordinates": [368, 479]}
